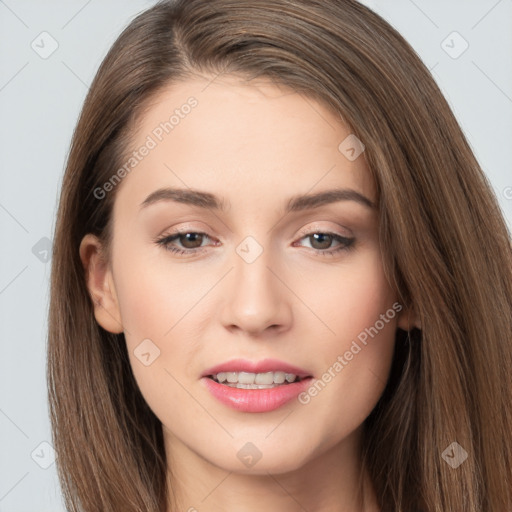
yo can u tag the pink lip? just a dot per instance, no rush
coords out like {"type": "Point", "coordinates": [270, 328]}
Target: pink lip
{"type": "Point", "coordinates": [256, 400]}
{"type": "Point", "coordinates": [263, 366]}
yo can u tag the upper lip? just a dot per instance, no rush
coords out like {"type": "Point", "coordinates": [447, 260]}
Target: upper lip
{"type": "Point", "coordinates": [263, 366]}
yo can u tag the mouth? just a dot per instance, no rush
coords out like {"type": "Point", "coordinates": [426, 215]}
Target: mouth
{"type": "Point", "coordinates": [250, 380]}
{"type": "Point", "coordinates": [256, 387]}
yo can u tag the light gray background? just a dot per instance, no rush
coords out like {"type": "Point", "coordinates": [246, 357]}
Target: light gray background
{"type": "Point", "coordinates": [40, 99]}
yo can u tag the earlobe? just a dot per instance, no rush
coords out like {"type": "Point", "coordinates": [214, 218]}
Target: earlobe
{"type": "Point", "coordinates": [408, 319]}
{"type": "Point", "coordinates": [100, 284]}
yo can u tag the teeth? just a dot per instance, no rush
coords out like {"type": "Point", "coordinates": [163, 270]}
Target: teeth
{"type": "Point", "coordinates": [247, 378]}
{"type": "Point", "coordinates": [255, 380]}
{"type": "Point", "coordinates": [280, 377]}
{"type": "Point", "coordinates": [232, 377]}
{"type": "Point", "coordinates": [264, 378]}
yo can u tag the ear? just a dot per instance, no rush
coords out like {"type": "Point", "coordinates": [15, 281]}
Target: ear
{"type": "Point", "coordinates": [100, 284]}
{"type": "Point", "coordinates": [408, 319]}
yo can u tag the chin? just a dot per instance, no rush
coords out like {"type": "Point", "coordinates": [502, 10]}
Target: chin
{"type": "Point", "coordinates": [253, 460]}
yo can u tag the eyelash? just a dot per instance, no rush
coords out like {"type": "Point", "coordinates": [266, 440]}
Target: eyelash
{"type": "Point", "coordinates": [347, 244]}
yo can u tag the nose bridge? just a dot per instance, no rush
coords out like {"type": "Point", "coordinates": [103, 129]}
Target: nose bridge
{"type": "Point", "coordinates": [256, 299]}
{"type": "Point", "coordinates": [252, 267]}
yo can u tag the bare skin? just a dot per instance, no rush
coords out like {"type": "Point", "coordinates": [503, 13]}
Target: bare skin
{"type": "Point", "coordinates": [303, 300]}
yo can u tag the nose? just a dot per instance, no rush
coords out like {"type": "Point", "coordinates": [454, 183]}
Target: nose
{"type": "Point", "coordinates": [255, 298]}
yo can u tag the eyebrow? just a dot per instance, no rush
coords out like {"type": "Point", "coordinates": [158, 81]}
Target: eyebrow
{"type": "Point", "coordinates": [296, 203]}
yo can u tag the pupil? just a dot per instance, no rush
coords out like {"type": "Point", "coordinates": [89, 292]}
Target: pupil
{"type": "Point", "coordinates": [191, 238]}
{"type": "Point", "coordinates": [326, 239]}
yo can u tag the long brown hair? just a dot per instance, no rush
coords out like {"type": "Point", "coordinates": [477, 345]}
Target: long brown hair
{"type": "Point", "coordinates": [444, 241]}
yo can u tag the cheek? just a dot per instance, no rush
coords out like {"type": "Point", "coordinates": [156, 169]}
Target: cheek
{"type": "Point", "coordinates": [159, 339]}
{"type": "Point", "coordinates": [164, 308]}
{"type": "Point", "coordinates": [156, 298]}
{"type": "Point", "coordinates": [356, 357]}
{"type": "Point", "coordinates": [367, 322]}
{"type": "Point", "coordinates": [350, 299]}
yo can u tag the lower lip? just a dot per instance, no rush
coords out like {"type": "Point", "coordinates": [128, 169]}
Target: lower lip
{"type": "Point", "coordinates": [256, 400]}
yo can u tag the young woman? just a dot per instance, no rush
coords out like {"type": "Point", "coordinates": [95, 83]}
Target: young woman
{"type": "Point", "coordinates": [280, 278]}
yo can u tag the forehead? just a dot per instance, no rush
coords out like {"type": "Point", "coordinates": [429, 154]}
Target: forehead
{"type": "Point", "coordinates": [226, 135]}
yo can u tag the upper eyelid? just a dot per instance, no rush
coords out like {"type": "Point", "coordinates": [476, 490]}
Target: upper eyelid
{"type": "Point", "coordinates": [304, 232]}
{"type": "Point", "coordinates": [314, 228]}
{"type": "Point", "coordinates": [319, 229]}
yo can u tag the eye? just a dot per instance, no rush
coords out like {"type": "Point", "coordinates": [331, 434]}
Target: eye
{"type": "Point", "coordinates": [321, 242]}
{"type": "Point", "coordinates": [191, 241]}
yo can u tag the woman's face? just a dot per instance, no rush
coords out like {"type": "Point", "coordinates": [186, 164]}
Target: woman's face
{"type": "Point", "coordinates": [277, 272]}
